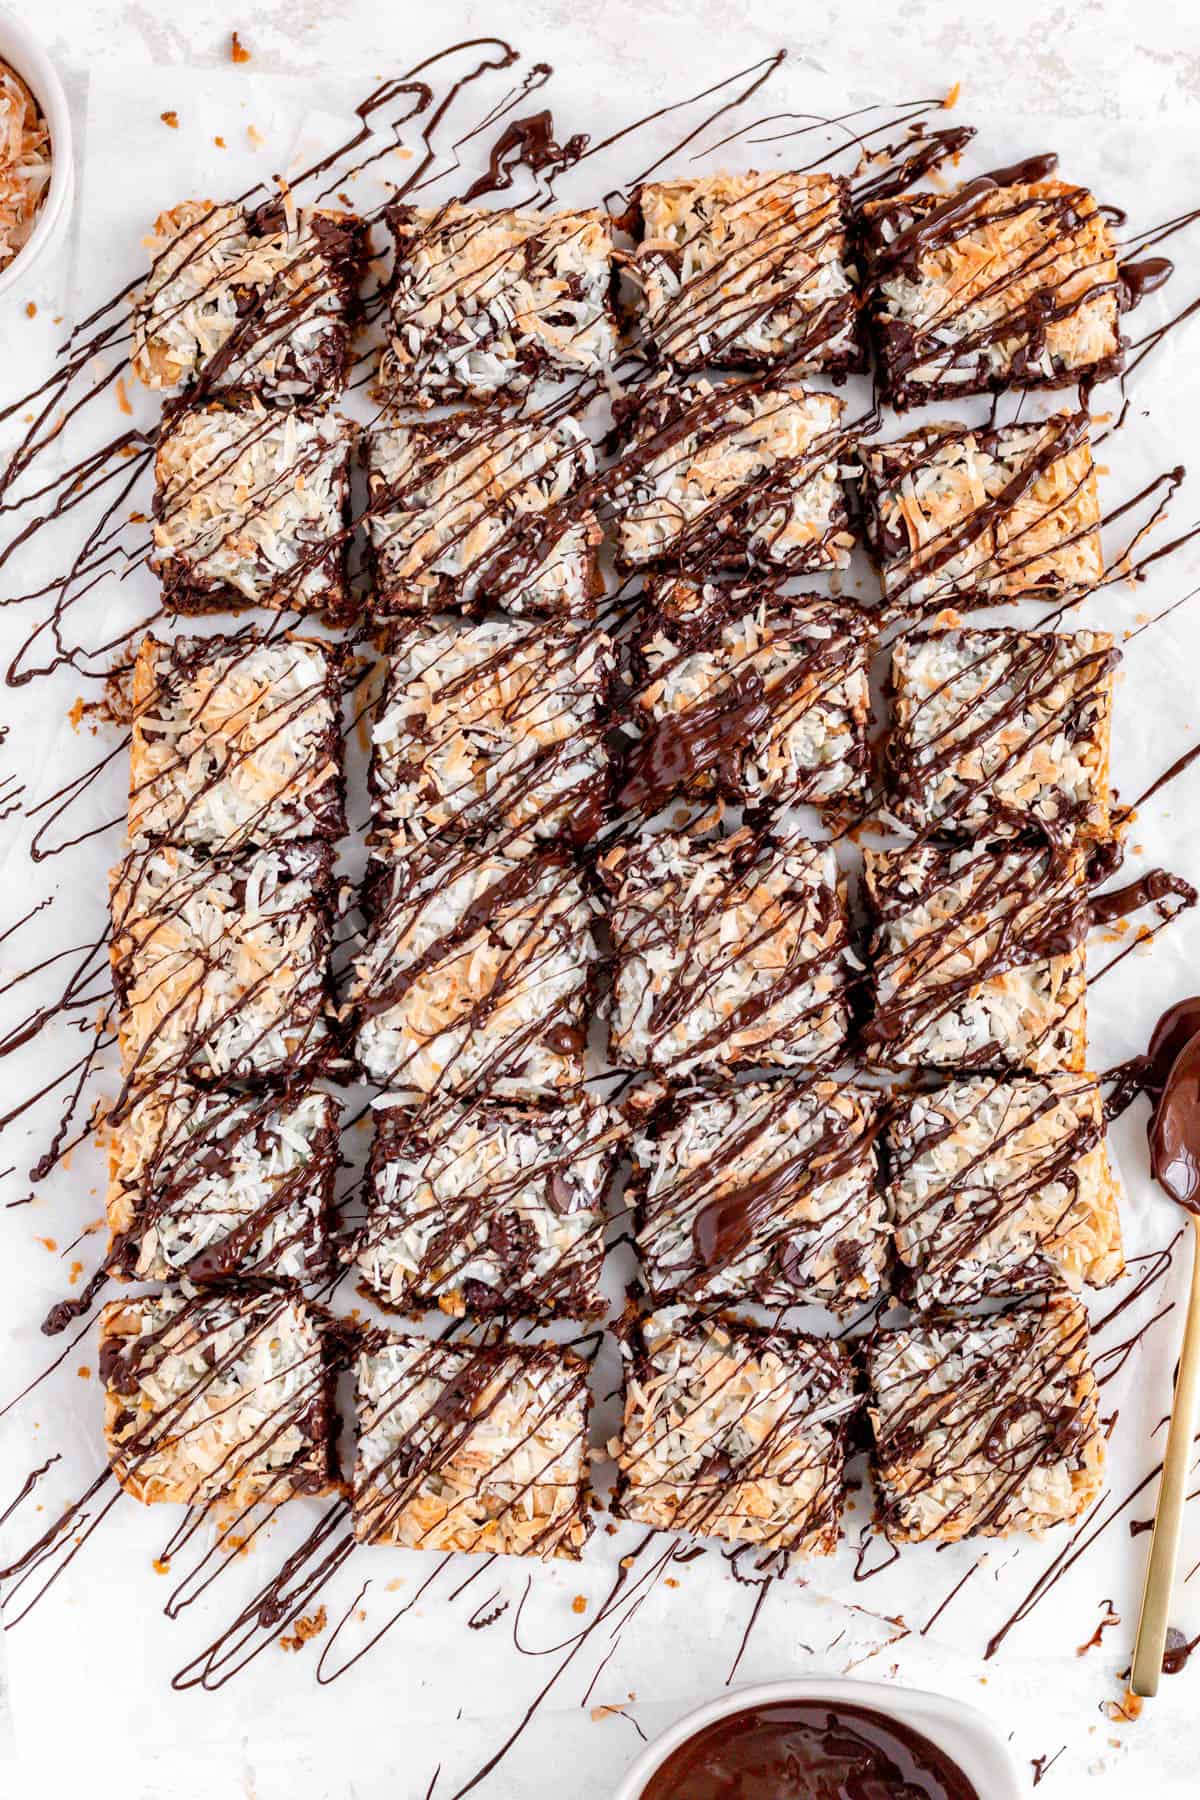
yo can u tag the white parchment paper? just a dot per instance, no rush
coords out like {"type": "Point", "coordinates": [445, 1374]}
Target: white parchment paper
{"type": "Point", "coordinates": [435, 1692]}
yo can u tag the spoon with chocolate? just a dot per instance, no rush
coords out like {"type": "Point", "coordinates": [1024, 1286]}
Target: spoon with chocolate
{"type": "Point", "coordinates": [1172, 1079]}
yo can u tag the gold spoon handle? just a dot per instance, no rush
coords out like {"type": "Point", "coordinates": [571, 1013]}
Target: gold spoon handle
{"type": "Point", "coordinates": [1172, 1493]}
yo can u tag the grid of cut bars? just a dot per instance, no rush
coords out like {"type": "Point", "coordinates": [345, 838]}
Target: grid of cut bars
{"type": "Point", "coordinates": [522, 881]}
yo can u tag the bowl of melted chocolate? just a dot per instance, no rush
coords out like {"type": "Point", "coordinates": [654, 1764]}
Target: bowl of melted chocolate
{"type": "Point", "coordinates": [826, 1740]}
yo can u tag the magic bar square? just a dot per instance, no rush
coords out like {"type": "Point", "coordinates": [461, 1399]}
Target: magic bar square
{"type": "Point", "coordinates": [482, 1209]}
{"type": "Point", "coordinates": [236, 740]}
{"type": "Point", "coordinates": [744, 475]}
{"type": "Point", "coordinates": [253, 509]}
{"type": "Point", "coordinates": [748, 271]}
{"type": "Point", "coordinates": [483, 510]}
{"type": "Point", "coordinates": [477, 1449]}
{"type": "Point", "coordinates": [492, 725]}
{"type": "Point", "coordinates": [1000, 1186]}
{"type": "Point", "coordinates": [249, 304]}
{"type": "Point", "coordinates": [763, 1193]}
{"type": "Point", "coordinates": [985, 1426]}
{"type": "Point", "coordinates": [746, 692]}
{"type": "Point", "coordinates": [221, 1397]}
{"type": "Point", "coordinates": [729, 953]}
{"type": "Point", "coordinates": [208, 1185]}
{"type": "Point", "coordinates": [485, 303]}
{"type": "Point", "coordinates": [220, 965]}
{"type": "Point", "coordinates": [1001, 732]}
{"type": "Point", "coordinates": [978, 958]}
{"type": "Point", "coordinates": [961, 517]}
{"type": "Point", "coordinates": [734, 1431]}
{"type": "Point", "coordinates": [996, 285]}
{"type": "Point", "coordinates": [475, 972]}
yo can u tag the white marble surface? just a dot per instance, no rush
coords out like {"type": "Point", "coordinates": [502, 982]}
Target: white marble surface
{"type": "Point", "coordinates": [1135, 72]}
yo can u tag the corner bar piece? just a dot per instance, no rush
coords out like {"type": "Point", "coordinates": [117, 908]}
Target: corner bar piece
{"type": "Point", "coordinates": [483, 302]}
{"type": "Point", "coordinates": [220, 966]}
{"type": "Point", "coordinates": [748, 271]}
{"type": "Point", "coordinates": [1002, 1186]}
{"type": "Point", "coordinates": [761, 1193]}
{"type": "Point", "coordinates": [496, 725]}
{"type": "Point", "coordinates": [727, 953]}
{"type": "Point", "coordinates": [985, 1426]}
{"type": "Point", "coordinates": [483, 509]}
{"type": "Point", "coordinates": [253, 509]}
{"type": "Point", "coordinates": [759, 696]}
{"type": "Point", "coordinates": [1002, 733]}
{"type": "Point", "coordinates": [477, 1449]}
{"type": "Point", "coordinates": [236, 741]}
{"type": "Point", "coordinates": [979, 958]}
{"type": "Point", "coordinates": [475, 973]}
{"type": "Point", "coordinates": [219, 1397]}
{"type": "Point", "coordinates": [744, 475]}
{"type": "Point", "coordinates": [249, 303]}
{"type": "Point", "coordinates": [485, 1209]}
{"type": "Point", "coordinates": [208, 1185]}
{"type": "Point", "coordinates": [734, 1431]}
{"type": "Point", "coordinates": [955, 516]}
{"type": "Point", "coordinates": [998, 284]}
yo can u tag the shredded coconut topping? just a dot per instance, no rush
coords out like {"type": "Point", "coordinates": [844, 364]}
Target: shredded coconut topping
{"type": "Point", "coordinates": [489, 1208]}
{"type": "Point", "coordinates": [997, 731]}
{"type": "Point", "coordinates": [742, 475]}
{"type": "Point", "coordinates": [1022, 291]}
{"type": "Point", "coordinates": [978, 958]}
{"type": "Point", "coordinates": [784, 683]}
{"type": "Point", "coordinates": [974, 517]}
{"type": "Point", "coordinates": [764, 1193]}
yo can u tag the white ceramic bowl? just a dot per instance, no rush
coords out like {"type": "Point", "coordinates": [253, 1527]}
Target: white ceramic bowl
{"type": "Point", "coordinates": [964, 1734]}
{"type": "Point", "coordinates": [20, 49]}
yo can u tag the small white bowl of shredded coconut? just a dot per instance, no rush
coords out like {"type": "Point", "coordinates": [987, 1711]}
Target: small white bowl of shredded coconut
{"type": "Point", "coordinates": [36, 173]}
